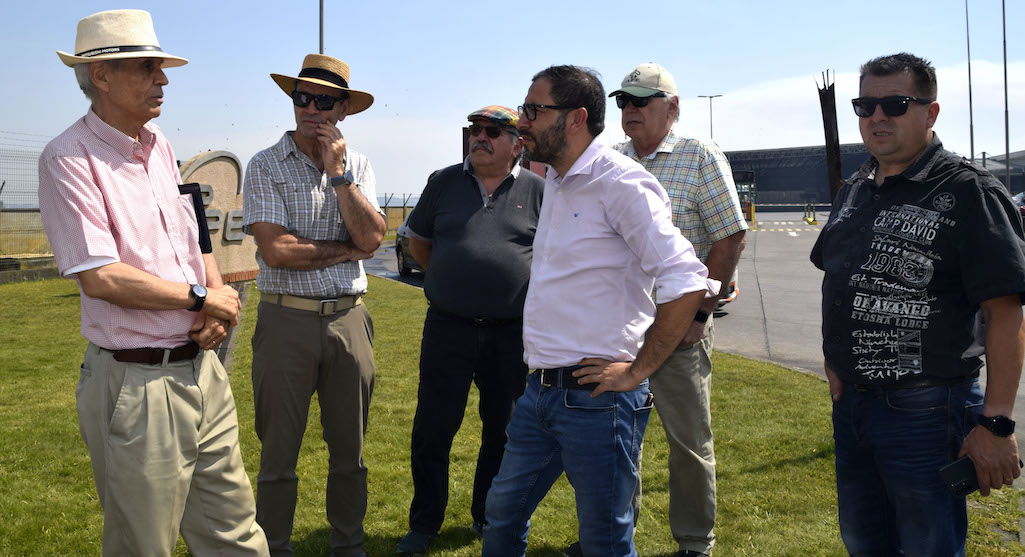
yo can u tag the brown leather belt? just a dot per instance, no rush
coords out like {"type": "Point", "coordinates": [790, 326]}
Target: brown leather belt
{"type": "Point", "coordinates": [327, 306]}
{"type": "Point", "coordinates": [157, 356]}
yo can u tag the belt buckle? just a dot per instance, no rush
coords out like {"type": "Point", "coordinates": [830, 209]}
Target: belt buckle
{"type": "Point", "coordinates": [323, 305]}
{"type": "Point", "coordinates": [546, 382]}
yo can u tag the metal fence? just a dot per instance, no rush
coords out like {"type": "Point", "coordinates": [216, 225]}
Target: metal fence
{"type": "Point", "coordinates": [21, 229]}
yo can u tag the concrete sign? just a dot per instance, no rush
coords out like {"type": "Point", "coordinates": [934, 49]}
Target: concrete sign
{"type": "Point", "coordinates": [219, 174]}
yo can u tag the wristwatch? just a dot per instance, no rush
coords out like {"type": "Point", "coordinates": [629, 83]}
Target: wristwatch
{"type": "Point", "coordinates": [198, 292]}
{"type": "Point", "coordinates": [343, 180]}
{"type": "Point", "coordinates": [1001, 426]}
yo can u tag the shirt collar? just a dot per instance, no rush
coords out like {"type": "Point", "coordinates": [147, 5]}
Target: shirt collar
{"type": "Point", "coordinates": [117, 139]}
{"type": "Point", "coordinates": [917, 172]}
{"type": "Point", "coordinates": [665, 146]}
{"type": "Point", "coordinates": [583, 163]}
{"type": "Point", "coordinates": [468, 168]}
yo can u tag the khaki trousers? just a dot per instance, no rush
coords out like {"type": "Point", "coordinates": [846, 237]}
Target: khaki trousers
{"type": "Point", "coordinates": [682, 388]}
{"type": "Point", "coordinates": [163, 441]}
{"type": "Point", "coordinates": [297, 353]}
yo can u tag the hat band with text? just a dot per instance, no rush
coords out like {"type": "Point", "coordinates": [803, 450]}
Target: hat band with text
{"type": "Point", "coordinates": [116, 49]}
{"type": "Point", "coordinates": [324, 75]}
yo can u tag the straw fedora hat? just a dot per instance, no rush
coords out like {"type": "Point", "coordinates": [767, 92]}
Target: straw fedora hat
{"type": "Point", "coordinates": [329, 72]}
{"type": "Point", "coordinates": [117, 34]}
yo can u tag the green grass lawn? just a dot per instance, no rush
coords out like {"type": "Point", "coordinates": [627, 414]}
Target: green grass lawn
{"type": "Point", "coordinates": [773, 447]}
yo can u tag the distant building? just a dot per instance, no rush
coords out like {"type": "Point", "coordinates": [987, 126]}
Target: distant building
{"type": "Point", "coordinates": [795, 175]}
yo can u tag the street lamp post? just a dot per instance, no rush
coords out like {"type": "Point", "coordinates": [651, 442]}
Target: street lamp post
{"type": "Point", "coordinates": [709, 97]}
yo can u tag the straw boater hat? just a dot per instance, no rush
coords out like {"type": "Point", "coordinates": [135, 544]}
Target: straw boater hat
{"type": "Point", "coordinates": [117, 34]}
{"type": "Point", "coordinates": [329, 72]}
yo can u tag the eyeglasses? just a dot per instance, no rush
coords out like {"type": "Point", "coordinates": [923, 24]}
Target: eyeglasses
{"type": "Point", "coordinates": [865, 107]}
{"type": "Point", "coordinates": [529, 110]}
{"type": "Point", "coordinates": [302, 99]}
{"type": "Point", "coordinates": [492, 131]}
{"type": "Point", "coordinates": [639, 102]}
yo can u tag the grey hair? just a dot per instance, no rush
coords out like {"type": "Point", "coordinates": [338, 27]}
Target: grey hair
{"type": "Point", "coordinates": [669, 99]}
{"type": "Point", "coordinates": [85, 83]}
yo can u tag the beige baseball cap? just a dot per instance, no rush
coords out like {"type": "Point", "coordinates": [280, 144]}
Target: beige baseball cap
{"type": "Point", "coordinates": [646, 80]}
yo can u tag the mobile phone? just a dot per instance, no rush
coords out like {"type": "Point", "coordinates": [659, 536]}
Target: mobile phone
{"type": "Point", "coordinates": [959, 477]}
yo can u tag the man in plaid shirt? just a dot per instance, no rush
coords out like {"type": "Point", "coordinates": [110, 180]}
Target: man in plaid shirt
{"type": "Point", "coordinates": [697, 177]}
{"type": "Point", "coordinates": [311, 206]}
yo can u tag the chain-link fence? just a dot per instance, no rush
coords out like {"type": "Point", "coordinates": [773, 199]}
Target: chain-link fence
{"type": "Point", "coordinates": [21, 229]}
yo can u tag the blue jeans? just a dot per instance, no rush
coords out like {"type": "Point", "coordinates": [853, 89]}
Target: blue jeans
{"type": "Point", "coordinates": [596, 441]}
{"type": "Point", "coordinates": [890, 446]}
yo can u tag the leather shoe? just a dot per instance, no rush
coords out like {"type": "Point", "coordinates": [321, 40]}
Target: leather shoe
{"type": "Point", "coordinates": [573, 550]}
{"type": "Point", "coordinates": [414, 543]}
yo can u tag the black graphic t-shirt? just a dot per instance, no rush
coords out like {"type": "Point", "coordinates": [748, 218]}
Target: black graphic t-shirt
{"type": "Point", "coordinates": [907, 264]}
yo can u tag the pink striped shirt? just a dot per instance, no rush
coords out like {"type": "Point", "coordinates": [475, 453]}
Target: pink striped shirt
{"type": "Point", "coordinates": [106, 198]}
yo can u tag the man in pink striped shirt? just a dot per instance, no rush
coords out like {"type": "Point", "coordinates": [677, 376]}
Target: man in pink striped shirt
{"type": "Point", "coordinates": [154, 404]}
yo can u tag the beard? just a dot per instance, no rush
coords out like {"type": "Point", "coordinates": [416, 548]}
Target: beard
{"type": "Point", "coordinates": [550, 143]}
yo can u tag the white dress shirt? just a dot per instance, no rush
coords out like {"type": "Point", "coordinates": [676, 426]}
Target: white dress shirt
{"type": "Point", "coordinates": [605, 237]}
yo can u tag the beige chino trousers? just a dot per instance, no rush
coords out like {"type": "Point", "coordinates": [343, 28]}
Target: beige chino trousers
{"type": "Point", "coordinates": [163, 441]}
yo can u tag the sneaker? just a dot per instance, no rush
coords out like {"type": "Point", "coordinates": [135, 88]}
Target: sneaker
{"type": "Point", "coordinates": [414, 543]}
{"type": "Point", "coordinates": [691, 553]}
{"type": "Point", "coordinates": [573, 550]}
{"type": "Point", "coordinates": [477, 528]}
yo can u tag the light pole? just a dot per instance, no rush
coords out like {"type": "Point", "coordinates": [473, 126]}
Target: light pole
{"type": "Point", "coordinates": [709, 97]}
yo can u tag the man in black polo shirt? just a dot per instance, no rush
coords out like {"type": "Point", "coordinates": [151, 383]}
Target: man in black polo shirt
{"type": "Point", "coordinates": [924, 272]}
{"type": "Point", "coordinates": [473, 231]}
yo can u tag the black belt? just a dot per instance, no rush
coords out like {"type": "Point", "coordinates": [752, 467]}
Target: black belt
{"type": "Point", "coordinates": [155, 356]}
{"type": "Point", "coordinates": [919, 383]}
{"type": "Point", "coordinates": [479, 321]}
{"type": "Point", "coordinates": [562, 377]}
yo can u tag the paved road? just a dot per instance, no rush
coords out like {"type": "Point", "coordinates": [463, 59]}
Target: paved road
{"type": "Point", "coordinates": [777, 315]}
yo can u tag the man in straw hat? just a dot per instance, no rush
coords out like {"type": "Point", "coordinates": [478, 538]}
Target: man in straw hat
{"type": "Point", "coordinates": [154, 404]}
{"type": "Point", "coordinates": [311, 205]}
{"type": "Point", "coordinates": [472, 230]}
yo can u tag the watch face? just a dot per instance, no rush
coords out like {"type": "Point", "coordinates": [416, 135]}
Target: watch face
{"type": "Point", "coordinates": [1001, 426]}
{"type": "Point", "coordinates": [199, 291]}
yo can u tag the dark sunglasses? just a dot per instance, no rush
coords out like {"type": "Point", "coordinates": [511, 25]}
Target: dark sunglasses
{"type": "Point", "coordinates": [529, 110]}
{"type": "Point", "coordinates": [865, 107]}
{"type": "Point", "coordinates": [302, 99]}
{"type": "Point", "coordinates": [492, 131]}
{"type": "Point", "coordinates": [639, 102]}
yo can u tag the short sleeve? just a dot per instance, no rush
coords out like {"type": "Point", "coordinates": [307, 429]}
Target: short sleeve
{"type": "Point", "coordinates": [261, 201]}
{"type": "Point", "coordinates": [74, 212]}
{"type": "Point", "coordinates": [990, 246]}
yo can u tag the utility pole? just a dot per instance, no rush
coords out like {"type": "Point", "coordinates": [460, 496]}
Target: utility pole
{"type": "Point", "coordinates": [709, 97]}
{"type": "Point", "coordinates": [322, 26]}
{"type": "Point", "coordinates": [971, 120]}
{"type": "Point", "coordinates": [1007, 129]}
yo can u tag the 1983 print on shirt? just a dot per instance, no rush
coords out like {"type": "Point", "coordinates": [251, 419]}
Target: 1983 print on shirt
{"type": "Point", "coordinates": [907, 264]}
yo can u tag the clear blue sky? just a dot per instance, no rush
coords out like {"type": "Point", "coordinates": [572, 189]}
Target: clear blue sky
{"type": "Point", "coordinates": [429, 64]}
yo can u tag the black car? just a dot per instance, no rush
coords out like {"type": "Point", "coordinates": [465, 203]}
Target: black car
{"type": "Point", "coordinates": [403, 256]}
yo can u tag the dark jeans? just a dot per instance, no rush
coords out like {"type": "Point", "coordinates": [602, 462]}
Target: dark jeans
{"type": "Point", "coordinates": [454, 354]}
{"type": "Point", "coordinates": [890, 446]}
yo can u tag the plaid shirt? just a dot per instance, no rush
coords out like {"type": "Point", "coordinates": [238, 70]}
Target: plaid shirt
{"type": "Point", "coordinates": [698, 179]}
{"type": "Point", "coordinates": [282, 186]}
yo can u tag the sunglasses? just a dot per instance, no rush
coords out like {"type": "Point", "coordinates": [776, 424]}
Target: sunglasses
{"type": "Point", "coordinates": [865, 107]}
{"type": "Point", "coordinates": [302, 99]}
{"type": "Point", "coordinates": [529, 110]}
{"type": "Point", "coordinates": [639, 102]}
{"type": "Point", "coordinates": [492, 131]}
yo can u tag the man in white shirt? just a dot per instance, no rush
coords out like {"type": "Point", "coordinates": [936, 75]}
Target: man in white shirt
{"type": "Point", "coordinates": [605, 237]}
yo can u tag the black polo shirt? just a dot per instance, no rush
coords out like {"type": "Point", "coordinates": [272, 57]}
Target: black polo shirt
{"type": "Point", "coordinates": [480, 253]}
{"type": "Point", "coordinates": [907, 264]}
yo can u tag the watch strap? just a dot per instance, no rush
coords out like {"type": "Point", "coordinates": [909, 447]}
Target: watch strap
{"type": "Point", "coordinates": [701, 316]}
